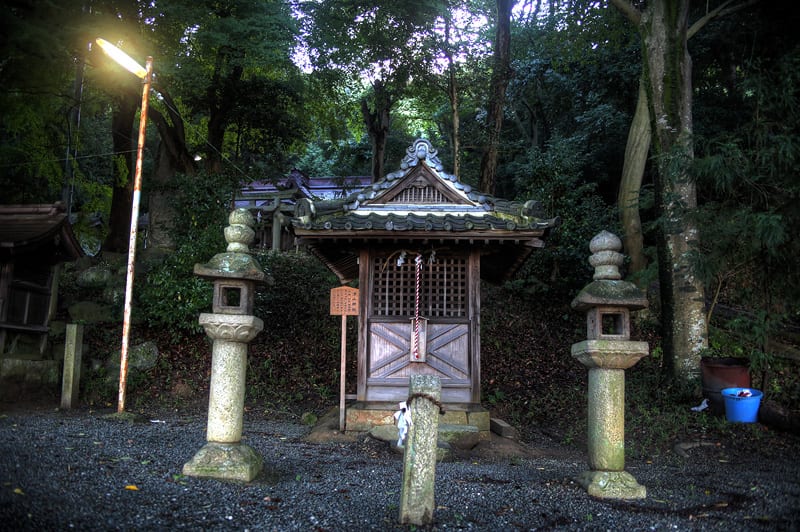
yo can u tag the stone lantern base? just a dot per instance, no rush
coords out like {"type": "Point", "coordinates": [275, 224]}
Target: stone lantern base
{"type": "Point", "coordinates": [611, 485]}
{"type": "Point", "coordinates": [226, 461]}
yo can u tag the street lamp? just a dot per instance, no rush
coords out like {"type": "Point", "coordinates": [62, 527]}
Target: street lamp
{"type": "Point", "coordinates": [146, 74]}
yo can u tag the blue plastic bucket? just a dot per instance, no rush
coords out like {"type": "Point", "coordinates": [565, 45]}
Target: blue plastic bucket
{"type": "Point", "coordinates": [741, 407]}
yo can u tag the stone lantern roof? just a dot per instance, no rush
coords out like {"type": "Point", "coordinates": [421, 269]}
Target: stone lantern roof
{"type": "Point", "coordinates": [608, 289]}
{"type": "Point", "coordinates": [236, 262]}
{"type": "Point", "coordinates": [420, 202]}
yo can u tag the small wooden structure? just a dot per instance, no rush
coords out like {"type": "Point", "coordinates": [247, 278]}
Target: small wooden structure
{"type": "Point", "coordinates": [34, 241]}
{"type": "Point", "coordinates": [418, 242]}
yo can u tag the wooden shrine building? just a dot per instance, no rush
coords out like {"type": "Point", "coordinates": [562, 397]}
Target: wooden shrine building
{"type": "Point", "coordinates": [418, 242]}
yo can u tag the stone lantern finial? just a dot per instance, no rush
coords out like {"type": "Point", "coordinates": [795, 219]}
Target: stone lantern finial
{"type": "Point", "coordinates": [235, 262]}
{"type": "Point", "coordinates": [239, 234]}
{"type": "Point", "coordinates": [606, 257]}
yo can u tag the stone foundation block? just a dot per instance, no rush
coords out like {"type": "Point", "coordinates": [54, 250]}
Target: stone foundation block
{"type": "Point", "coordinates": [226, 461]}
{"type": "Point", "coordinates": [501, 428]}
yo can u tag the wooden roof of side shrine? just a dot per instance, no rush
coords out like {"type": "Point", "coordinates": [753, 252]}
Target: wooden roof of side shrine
{"type": "Point", "coordinates": [42, 229]}
{"type": "Point", "coordinates": [423, 205]}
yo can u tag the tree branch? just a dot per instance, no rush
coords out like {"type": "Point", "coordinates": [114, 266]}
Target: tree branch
{"type": "Point", "coordinates": [720, 11]}
{"type": "Point", "coordinates": [627, 9]}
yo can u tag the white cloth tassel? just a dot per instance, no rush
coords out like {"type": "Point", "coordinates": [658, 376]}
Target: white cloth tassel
{"type": "Point", "coordinates": [403, 418]}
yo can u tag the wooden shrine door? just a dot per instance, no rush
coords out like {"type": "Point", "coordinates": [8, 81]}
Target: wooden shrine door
{"type": "Point", "coordinates": [447, 290]}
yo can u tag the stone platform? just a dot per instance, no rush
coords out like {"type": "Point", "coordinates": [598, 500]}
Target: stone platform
{"type": "Point", "coordinates": [363, 417]}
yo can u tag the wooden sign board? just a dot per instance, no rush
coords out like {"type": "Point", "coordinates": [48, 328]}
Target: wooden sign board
{"type": "Point", "coordinates": [344, 301]}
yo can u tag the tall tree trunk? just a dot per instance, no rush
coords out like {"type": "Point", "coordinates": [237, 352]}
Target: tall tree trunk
{"type": "Point", "coordinates": [123, 139]}
{"type": "Point", "coordinates": [173, 157]}
{"type": "Point", "coordinates": [73, 129]}
{"type": "Point", "coordinates": [377, 122]}
{"type": "Point", "coordinates": [668, 70]}
{"type": "Point", "coordinates": [501, 74]}
{"type": "Point", "coordinates": [452, 93]}
{"type": "Point", "coordinates": [454, 110]}
{"type": "Point", "coordinates": [636, 151]}
{"type": "Point", "coordinates": [216, 137]}
{"type": "Point", "coordinates": [664, 27]}
{"type": "Point", "coordinates": [221, 99]}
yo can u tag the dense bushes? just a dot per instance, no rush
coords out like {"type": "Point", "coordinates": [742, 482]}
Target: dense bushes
{"type": "Point", "coordinates": [172, 296]}
{"type": "Point", "coordinates": [553, 176]}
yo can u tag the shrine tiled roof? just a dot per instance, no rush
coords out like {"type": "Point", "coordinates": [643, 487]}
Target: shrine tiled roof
{"type": "Point", "coordinates": [420, 198]}
{"type": "Point", "coordinates": [421, 202]}
{"type": "Point", "coordinates": [286, 190]}
{"type": "Point", "coordinates": [422, 222]}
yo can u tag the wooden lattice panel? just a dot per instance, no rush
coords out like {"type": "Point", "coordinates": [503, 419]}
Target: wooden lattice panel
{"type": "Point", "coordinates": [443, 287]}
{"type": "Point", "coordinates": [420, 196]}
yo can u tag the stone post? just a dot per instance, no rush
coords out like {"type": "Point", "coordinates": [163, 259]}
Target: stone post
{"type": "Point", "coordinates": [73, 352]}
{"type": "Point", "coordinates": [608, 352]}
{"type": "Point", "coordinates": [231, 335]}
{"type": "Point", "coordinates": [419, 458]}
{"type": "Point", "coordinates": [606, 416]}
{"type": "Point", "coordinates": [231, 326]}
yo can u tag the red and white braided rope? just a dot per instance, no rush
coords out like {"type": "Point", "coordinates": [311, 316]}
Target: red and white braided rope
{"type": "Point", "coordinates": [418, 285]}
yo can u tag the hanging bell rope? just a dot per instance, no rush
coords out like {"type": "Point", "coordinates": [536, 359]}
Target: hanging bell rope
{"type": "Point", "coordinates": [417, 289]}
{"type": "Point", "coordinates": [401, 258]}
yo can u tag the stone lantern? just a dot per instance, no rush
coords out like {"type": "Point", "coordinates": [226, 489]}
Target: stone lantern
{"type": "Point", "coordinates": [608, 351]}
{"type": "Point", "coordinates": [231, 326]}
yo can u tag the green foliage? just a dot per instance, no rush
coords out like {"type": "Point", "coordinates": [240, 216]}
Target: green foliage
{"type": "Point", "coordinates": [553, 176]}
{"type": "Point", "coordinates": [172, 299]}
{"type": "Point", "coordinates": [30, 149]}
{"type": "Point", "coordinates": [375, 50]}
{"type": "Point", "coordinates": [753, 333]}
{"type": "Point", "coordinates": [173, 296]}
{"type": "Point", "coordinates": [749, 186]}
{"type": "Point", "coordinates": [234, 74]}
{"type": "Point", "coordinates": [370, 38]}
{"type": "Point", "coordinates": [342, 158]}
{"type": "Point", "coordinates": [495, 397]}
{"type": "Point", "coordinates": [270, 122]}
{"type": "Point", "coordinates": [300, 291]}
{"type": "Point", "coordinates": [559, 59]}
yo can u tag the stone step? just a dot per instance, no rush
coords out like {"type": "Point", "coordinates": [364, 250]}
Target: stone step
{"type": "Point", "coordinates": [501, 428]}
{"type": "Point", "coordinates": [456, 436]}
{"type": "Point", "coordinates": [459, 436]}
{"type": "Point", "coordinates": [362, 417]}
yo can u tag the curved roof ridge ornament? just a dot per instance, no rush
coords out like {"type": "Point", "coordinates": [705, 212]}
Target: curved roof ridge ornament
{"type": "Point", "coordinates": [421, 150]}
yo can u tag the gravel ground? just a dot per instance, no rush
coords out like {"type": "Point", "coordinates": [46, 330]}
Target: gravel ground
{"type": "Point", "coordinates": [84, 471]}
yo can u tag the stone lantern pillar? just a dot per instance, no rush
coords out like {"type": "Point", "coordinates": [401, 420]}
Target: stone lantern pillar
{"type": "Point", "coordinates": [608, 351]}
{"type": "Point", "coordinates": [231, 326]}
